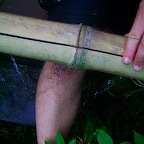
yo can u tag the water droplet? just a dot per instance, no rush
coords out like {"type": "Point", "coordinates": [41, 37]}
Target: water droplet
{"type": "Point", "coordinates": [15, 65]}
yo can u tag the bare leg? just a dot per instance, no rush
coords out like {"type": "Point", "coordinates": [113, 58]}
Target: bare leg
{"type": "Point", "coordinates": [57, 100]}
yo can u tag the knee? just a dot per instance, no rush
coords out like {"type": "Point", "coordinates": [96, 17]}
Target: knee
{"type": "Point", "coordinates": [62, 72]}
{"type": "Point", "coordinates": [58, 72]}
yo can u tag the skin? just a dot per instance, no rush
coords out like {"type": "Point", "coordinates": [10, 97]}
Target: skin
{"type": "Point", "coordinates": [134, 48]}
{"type": "Point", "coordinates": [57, 100]}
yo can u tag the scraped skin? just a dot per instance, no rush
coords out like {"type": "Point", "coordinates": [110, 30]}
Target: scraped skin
{"type": "Point", "coordinates": [134, 48]}
{"type": "Point", "coordinates": [57, 100]}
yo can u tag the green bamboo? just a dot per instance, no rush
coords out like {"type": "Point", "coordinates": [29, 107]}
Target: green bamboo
{"type": "Point", "coordinates": [77, 46]}
{"type": "Point", "coordinates": [36, 50]}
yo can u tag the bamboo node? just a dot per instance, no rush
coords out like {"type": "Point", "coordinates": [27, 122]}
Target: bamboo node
{"type": "Point", "coordinates": [81, 53]}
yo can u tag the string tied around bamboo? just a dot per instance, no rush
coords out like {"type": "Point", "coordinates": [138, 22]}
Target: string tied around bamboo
{"type": "Point", "coordinates": [81, 53]}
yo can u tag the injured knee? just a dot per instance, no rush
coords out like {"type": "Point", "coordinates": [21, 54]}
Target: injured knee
{"type": "Point", "coordinates": [61, 72]}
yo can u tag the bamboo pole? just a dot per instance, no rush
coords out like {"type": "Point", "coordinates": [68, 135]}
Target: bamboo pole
{"type": "Point", "coordinates": [77, 46]}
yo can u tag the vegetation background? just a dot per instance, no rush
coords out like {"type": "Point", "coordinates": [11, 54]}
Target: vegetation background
{"type": "Point", "coordinates": [112, 108]}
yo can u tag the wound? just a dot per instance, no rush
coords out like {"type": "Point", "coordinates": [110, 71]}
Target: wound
{"type": "Point", "coordinates": [62, 72]}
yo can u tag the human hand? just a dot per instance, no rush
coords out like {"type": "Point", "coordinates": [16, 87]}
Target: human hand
{"type": "Point", "coordinates": [134, 48]}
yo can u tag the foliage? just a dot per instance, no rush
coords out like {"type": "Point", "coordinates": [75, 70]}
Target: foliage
{"type": "Point", "coordinates": [16, 134]}
{"type": "Point", "coordinates": [102, 138]}
{"type": "Point", "coordinates": [138, 138]}
{"type": "Point", "coordinates": [60, 140]}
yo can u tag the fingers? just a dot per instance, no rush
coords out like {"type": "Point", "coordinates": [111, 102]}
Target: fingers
{"type": "Point", "coordinates": [134, 48]}
{"type": "Point", "coordinates": [139, 57]}
{"type": "Point", "coordinates": [130, 48]}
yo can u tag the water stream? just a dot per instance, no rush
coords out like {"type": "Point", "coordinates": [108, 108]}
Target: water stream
{"type": "Point", "coordinates": [17, 92]}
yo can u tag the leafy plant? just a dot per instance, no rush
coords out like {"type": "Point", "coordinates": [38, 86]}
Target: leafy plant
{"type": "Point", "coordinates": [138, 138]}
{"type": "Point", "coordinates": [103, 137]}
{"type": "Point", "coordinates": [60, 140]}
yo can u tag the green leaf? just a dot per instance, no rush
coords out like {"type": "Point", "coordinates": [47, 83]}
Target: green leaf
{"type": "Point", "coordinates": [59, 138]}
{"type": "Point", "coordinates": [103, 137]}
{"type": "Point", "coordinates": [73, 141]}
{"type": "Point", "coordinates": [88, 131]}
{"type": "Point", "coordinates": [46, 142]}
{"type": "Point", "coordinates": [125, 143]}
{"type": "Point", "coordinates": [138, 138]}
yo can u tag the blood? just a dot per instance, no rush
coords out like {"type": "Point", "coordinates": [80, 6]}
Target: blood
{"type": "Point", "coordinates": [62, 72]}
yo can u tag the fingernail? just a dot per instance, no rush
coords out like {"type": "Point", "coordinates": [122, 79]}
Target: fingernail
{"type": "Point", "coordinates": [137, 67]}
{"type": "Point", "coordinates": [127, 60]}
